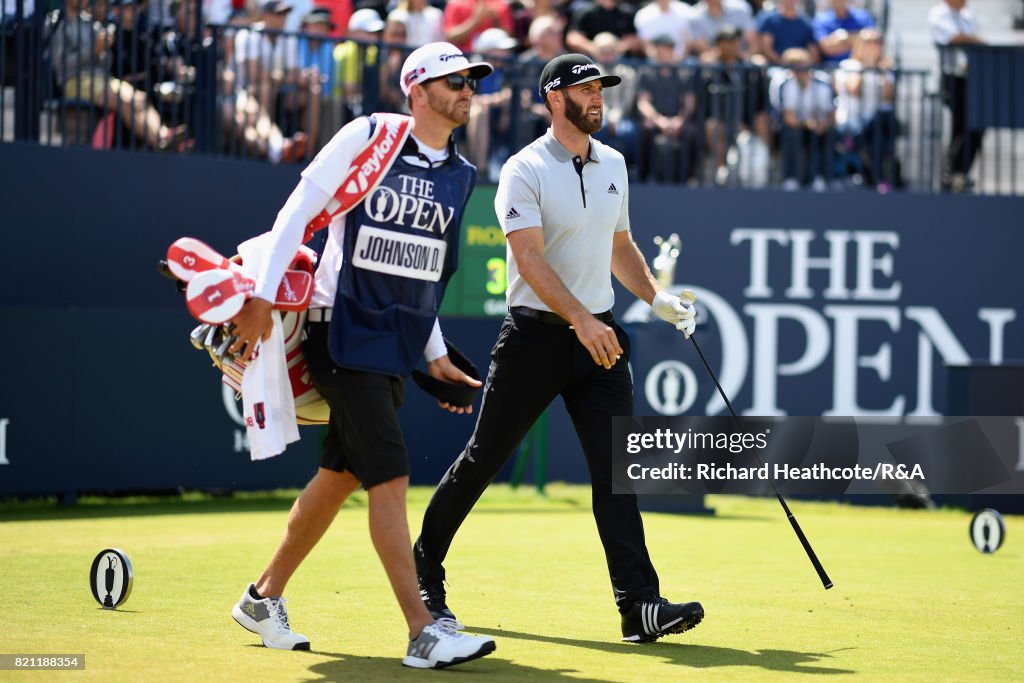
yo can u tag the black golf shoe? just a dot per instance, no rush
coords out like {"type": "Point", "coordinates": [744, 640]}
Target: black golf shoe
{"type": "Point", "coordinates": [648, 620]}
{"type": "Point", "coordinates": [433, 597]}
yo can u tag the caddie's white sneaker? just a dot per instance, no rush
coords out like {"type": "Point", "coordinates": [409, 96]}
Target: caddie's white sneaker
{"type": "Point", "coordinates": [268, 618]}
{"type": "Point", "coordinates": [440, 645]}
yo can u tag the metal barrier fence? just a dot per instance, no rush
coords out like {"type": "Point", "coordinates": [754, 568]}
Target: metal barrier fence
{"type": "Point", "coordinates": [257, 94]}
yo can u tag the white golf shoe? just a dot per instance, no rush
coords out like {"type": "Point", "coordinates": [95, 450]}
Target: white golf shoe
{"type": "Point", "coordinates": [268, 618]}
{"type": "Point", "coordinates": [440, 645]}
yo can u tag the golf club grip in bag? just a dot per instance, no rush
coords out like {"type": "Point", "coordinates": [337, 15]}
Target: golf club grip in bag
{"type": "Point", "coordinates": [310, 407]}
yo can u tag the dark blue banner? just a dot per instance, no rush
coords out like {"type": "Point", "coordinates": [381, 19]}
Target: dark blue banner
{"type": "Point", "coordinates": [848, 304]}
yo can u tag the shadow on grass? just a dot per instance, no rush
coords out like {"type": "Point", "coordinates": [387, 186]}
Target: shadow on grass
{"type": "Point", "coordinates": [690, 654]}
{"type": "Point", "coordinates": [347, 668]}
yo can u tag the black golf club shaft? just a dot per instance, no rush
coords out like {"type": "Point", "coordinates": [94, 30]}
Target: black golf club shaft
{"type": "Point", "coordinates": [825, 581]}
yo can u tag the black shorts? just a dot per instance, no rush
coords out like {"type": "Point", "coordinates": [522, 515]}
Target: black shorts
{"type": "Point", "coordinates": [364, 436]}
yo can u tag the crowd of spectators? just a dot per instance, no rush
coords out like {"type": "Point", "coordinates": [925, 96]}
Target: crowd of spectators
{"type": "Point", "coordinates": [713, 90]}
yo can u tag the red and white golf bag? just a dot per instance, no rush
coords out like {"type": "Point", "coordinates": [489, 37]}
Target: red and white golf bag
{"type": "Point", "coordinates": [310, 407]}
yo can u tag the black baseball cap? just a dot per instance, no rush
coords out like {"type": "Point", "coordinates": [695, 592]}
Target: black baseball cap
{"type": "Point", "coordinates": [572, 69]}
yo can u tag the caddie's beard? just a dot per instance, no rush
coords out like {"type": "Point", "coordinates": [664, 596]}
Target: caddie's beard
{"type": "Point", "coordinates": [576, 116]}
{"type": "Point", "coordinates": [448, 107]}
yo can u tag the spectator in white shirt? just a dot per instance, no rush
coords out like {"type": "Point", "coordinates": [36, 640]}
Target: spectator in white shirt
{"type": "Point", "coordinates": [952, 24]}
{"type": "Point", "coordinates": [708, 17]}
{"type": "Point", "coordinates": [806, 105]}
{"type": "Point", "coordinates": [664, 17]}
{"type": "Point", "coordinates": [424, 23]}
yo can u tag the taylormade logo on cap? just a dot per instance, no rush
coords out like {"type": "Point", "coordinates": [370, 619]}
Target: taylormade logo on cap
{"type": "Point", "coordinates": [438, 59]}
{"type": "Point", "coordinates": [572, 69]}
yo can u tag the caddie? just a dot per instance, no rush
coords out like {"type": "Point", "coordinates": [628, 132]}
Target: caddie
{"type": "Point", "coordinates": [373, 313]}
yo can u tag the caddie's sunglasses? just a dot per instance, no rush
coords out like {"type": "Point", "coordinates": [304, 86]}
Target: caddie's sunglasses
{"type": "Point", "coordinates": [457, 82]}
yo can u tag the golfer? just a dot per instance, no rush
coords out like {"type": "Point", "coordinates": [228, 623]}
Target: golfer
{"type": "Point", "coordinates": [563, 205]}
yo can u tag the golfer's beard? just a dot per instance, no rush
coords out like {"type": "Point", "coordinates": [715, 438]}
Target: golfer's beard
{"type": "Point", "coordinates": [574, 113]}
{"type": "Point", "coordinates": [447, 108]}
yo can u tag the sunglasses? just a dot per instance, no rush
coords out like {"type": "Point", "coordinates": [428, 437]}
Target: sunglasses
{"type": "Point", "coordinates": [457, 82]}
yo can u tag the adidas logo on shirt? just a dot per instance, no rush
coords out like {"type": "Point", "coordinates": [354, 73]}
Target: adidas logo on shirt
{"type": "Point", "coordinates": [612, 189]}
{"type": "Point", "coordinates": [512, 214]}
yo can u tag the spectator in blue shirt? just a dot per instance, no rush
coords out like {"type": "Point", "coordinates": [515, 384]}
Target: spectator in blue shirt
{"type": "Point", "coordinates": [316, 58]}
{"type": "Point", "coordinates": [784, 28]}
{"type": "Point", "coordinates": [836, 30]}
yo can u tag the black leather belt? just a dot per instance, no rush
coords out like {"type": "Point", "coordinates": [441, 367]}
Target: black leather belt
{"type": "Point", "coordinates": [555, 319]}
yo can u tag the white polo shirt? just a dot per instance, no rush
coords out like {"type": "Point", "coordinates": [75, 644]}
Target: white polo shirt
{"type": "Point", "coordinates": [814, 101]}
{"type": "Point", "coordinates": [579, 214]}
{"type": "Point", "coordinates": [945, 23]}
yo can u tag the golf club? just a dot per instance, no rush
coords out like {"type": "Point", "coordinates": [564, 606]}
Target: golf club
{"type": "Point", "coordinates": [825, 581]}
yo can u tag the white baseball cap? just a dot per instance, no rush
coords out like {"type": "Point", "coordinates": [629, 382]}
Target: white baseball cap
{"type": "Point", "coordinates": [493, 39]}
{"type": "Point", "coordinates": [438, 59]}
{"type": "Point", "coordinates": [365, 20]}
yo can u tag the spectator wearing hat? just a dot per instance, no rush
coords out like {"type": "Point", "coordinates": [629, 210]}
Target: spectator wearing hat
{"type": "Point", "coordinates": [352, 56]}
{"type": "Point", "coordinates": [271, 62]}
{"type": "Point", "coordinates": [341, 12]}
{"type": "Point", "coordinates": [666, 101]}
{"type": "Point", "coordinates": [736, 99]}
{"type": "Point", "coordinates": [300, 9]}
{"type": "Point", "coordinates": [267, 59]}
{"type": "Point", "coordinates": [263, 74]}
{"type": "Point", "coordinates": [464, 20]}
{"type": "Point", "coordinates": [488, 129]}
{"type": "Point", "coordinates": [664, 17]}
{"type": "Point", "coordinates": [708, 17]}
{"type": "Point", "coordinates": [424, 23]}
{"type": "Point", "coordinates": [807, 108]}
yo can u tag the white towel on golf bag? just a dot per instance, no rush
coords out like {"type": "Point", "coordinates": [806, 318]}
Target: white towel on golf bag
{"type": "Point", "coordinates": [268, 406]}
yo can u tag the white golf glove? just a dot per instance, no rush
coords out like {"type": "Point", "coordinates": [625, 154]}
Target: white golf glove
{"type": "Point", "coordinates": [676, 310]}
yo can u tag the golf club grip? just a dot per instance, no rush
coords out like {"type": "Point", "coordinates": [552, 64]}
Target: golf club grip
{"type": "Point", "coordinates": [825, 581]}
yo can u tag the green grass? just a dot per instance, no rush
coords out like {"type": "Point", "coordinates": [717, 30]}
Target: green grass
{"type": "Point", "coordinates": [913, 600]}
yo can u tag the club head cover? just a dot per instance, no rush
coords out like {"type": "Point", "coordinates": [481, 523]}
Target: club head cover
{"type": "Point", "coordinates": [455, 394]}
{"type": "Point", "coordinates": [217, 296]}
{"type": "Point", "coordinates": [295, 291]}
{"type": "Point", "coordinates": [188, 257]}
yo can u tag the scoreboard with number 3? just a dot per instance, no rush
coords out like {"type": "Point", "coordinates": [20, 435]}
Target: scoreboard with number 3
{"type": "Point", "coordinates": [478, 287]}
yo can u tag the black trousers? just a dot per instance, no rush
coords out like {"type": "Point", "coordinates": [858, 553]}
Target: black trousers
{"type": "Point", "coordinates": [532, 363]}
{"type": "Point", "coordinates": [964, 142]}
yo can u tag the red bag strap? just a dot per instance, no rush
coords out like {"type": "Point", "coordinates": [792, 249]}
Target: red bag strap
{"type": "Point", "coordinates": [369, 166]}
